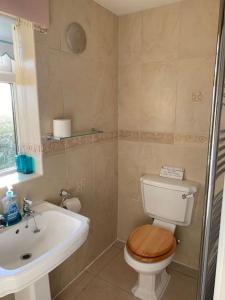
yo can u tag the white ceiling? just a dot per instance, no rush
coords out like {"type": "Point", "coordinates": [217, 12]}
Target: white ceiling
{"type": "Point", "coordinates": [123, 7]}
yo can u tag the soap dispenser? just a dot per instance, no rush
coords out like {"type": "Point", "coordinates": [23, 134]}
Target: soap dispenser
{"type": "Point", "coordinates": [11, 211]}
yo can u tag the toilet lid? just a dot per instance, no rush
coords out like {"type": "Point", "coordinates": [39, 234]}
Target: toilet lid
{"type": "Point", "coordinates": [149, 241]}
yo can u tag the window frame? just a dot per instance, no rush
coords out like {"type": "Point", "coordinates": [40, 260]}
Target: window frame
{"type": "Point", "coordinates": [4, 76]}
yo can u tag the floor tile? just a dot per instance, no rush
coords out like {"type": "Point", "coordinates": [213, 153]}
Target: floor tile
{"type": "Point", "coordinates": [180, 287]}
{"type": "Point", "coordinates": [102, 290]}
{"type": "Point", "coordinates": [76, 287]}
{"type": "Point", "coordinates": [110, 278]}
{"type": "Point", "coordinates": [183, 270]}
{"type": "Point", "coordinates": [9, 297]}
{"type": "Point", "coordinates": [118, 273]}
{"type": "Point", "coordinates": [104, 260]}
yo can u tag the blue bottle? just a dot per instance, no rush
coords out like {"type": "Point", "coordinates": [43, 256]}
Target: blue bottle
{"type": "Point", "coordinates": [20, 158]}
{"type": "Point", "coordinates": [11, 211]}
{"type": "Point", "coordinates": [28, 166]}
{"type": "Point", "coordinates": [24, 164]}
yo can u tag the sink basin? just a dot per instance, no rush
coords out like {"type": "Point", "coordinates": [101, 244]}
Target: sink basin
{"type": "Point", "coordinates": [27, 254]}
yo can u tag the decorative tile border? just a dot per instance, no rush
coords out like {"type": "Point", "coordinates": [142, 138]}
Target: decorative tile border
{"type": "Point", "coordinates": [50, 146]}
{"type": "Point", "coordinates": [54, 147]}
{"type": "Point", "coordinates": [193, 139]}
{"type": "Point", "coordinates": [157, 137]}
{"type": "Point", "coordinates": [129, 135]}
{"type": "Point", "coordinates": [161, 137]}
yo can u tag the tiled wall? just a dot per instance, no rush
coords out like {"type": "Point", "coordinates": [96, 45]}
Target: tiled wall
{"type": "Point", "coordinates": [83, 87]}
{"type": "Point", "coordinates": [166, 60]}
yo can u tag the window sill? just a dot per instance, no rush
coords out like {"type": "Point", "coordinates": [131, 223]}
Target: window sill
{"type": "Point", "coordinates": [15, 178]}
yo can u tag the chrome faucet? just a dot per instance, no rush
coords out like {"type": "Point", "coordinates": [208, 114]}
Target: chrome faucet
{"type": "Point", "coordinates": [27, 211]}
{"type": "Point", "coordinates": [65, 195]}
{"type": "Point", "coordinates": [1, 223]}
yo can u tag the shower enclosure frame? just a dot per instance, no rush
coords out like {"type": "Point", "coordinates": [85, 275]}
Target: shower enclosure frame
{"type": "Point", "coordinates": [204, 288]}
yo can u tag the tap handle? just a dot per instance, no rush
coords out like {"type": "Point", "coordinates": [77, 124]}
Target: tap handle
{"type": "Point", "coordinates": [27, 201]}
{"type": "Point", "coordinates": [26, 204]}
{"type": "Point", "coordinates": [1, 219]}
{"type": "Point", "coordinates": [64, 193]}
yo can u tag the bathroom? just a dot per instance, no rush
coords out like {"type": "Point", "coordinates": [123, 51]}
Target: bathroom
{"type": "Point", "coordinates": [143, 77]}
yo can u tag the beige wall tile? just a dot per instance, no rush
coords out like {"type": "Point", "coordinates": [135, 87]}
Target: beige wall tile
{"type": "Point", "coordinates": [158, 99]}
{"type": "Point", "coordinates": [192, 158]}
{"type": "Point", "coordinates": [130, 39]}
{"type": "Point", "coordinates": [198, 28]}
{"type": "Point", "coordinates": [160, 32]}
{"type": "Point", "coordinates": [129, 98]}
{"type": "Point", "coordinates": [89, 93]}
{"type": "Point", "coordinates": [49, 86]}
{"type": "Point", "coordinates": [53, 36]}
{"type": "Point", "coordinates": [130, 216]}
{"type": "Point", "coordinates": [104, 36]}
{"type": "Point", "coordinates": [80, 90]}
{"type": "Point", "coordinates": [105, 112]}
{"type": "Point", "coordinates": [194, 95]}
{"type": "Point", "coordinates": [105, 197]}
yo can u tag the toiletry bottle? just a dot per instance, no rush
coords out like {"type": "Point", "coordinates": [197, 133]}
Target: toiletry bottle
{"type": "Point", "coordinates": [10, 209]}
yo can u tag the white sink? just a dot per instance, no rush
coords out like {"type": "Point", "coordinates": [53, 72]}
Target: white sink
{"type": "Point", "coordinates": [61, 233]}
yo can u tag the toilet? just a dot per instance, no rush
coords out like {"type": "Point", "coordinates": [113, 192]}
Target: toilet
{"type": "Point", "coordinates": [150, 248]}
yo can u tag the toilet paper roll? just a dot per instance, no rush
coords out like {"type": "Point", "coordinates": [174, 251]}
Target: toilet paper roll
{"type": "Point", "coordinates": [72, 204]}
{"type": "Point", "coordinates": [62, 128]}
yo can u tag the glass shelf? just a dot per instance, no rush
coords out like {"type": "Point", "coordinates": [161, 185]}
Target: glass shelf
{"type": "Point", "coordinates": [75, 134]}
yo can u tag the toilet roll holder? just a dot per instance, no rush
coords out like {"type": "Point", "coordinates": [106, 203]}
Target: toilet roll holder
{"type": "Point", "coordinates": [65, 196]}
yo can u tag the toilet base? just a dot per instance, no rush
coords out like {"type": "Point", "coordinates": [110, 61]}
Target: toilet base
{"type": "Point", "coordinates": [151, 286]}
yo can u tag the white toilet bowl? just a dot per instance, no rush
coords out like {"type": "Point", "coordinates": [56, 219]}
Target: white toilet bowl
{"type": "Point", "coordinates": [149, 251]}
{"type": "Point", "coordinates": [152, 277]}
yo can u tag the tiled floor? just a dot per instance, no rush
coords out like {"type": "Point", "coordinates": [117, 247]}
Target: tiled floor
{"type": "Point", "coordinates": [110, 278]}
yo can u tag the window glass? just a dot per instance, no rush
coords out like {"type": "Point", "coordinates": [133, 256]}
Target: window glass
{"type": "Point", "coordinates": [5, 64]}
{"type": "Point", "coordinates": [7, 128]}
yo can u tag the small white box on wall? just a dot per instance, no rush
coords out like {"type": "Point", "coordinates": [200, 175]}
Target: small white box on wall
{"type": "Point", "coordinates": [172, 172]}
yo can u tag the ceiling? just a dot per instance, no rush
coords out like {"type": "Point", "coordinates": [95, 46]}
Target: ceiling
{"type": "Point", "coordinates": [123, 7]}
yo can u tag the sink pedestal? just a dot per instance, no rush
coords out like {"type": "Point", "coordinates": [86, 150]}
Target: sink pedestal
{"type": "Point", "coordinates": [39, 290]}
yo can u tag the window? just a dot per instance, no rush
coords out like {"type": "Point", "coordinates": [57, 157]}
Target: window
{"type": "Point", "coordinates": [8, 148]}
{"type": "Point", "coordinates": [19, 111]}
{"type": "Point", "coordinates": [7, 128]}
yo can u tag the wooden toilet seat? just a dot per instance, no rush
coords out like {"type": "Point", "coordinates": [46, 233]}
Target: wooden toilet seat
{"type": "Point", "coordinates": [151, 244]}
